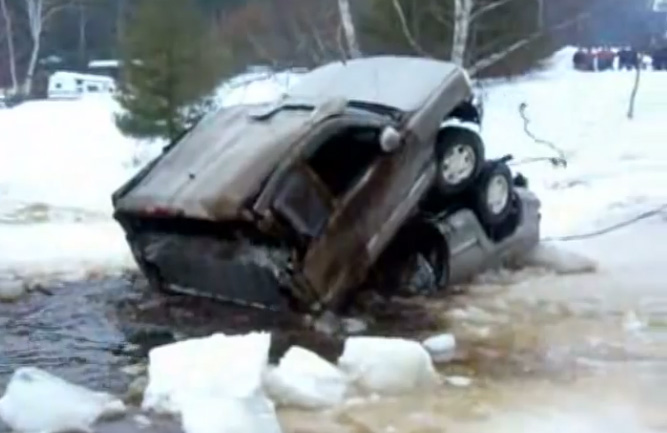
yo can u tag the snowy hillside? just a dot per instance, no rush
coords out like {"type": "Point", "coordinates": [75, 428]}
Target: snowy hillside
{"type": "Point", "coordinates": [61, 160]}
{"type": "Point", "coordinates": [615, 167]}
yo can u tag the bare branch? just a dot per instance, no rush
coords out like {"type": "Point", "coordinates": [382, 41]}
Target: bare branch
{"type": "Point", "coordinates": [9, 35]}
{"type": "Point", "coordinates": [406, 30]}
{"type": "Point", "coordinates": [500, 55]}
{"type": "Point", "coordinates": [260, 50]}
{"type": "Point", "coordinates": [348, 27]}
{"type": "Point", "coordinates": [50, 12]}
{"type": "Point", "coordinates": [440, 16]}
{"type": "Point", "coordinates": [488, 8]}
{"type": "Point", "coordinates": [341, 46]}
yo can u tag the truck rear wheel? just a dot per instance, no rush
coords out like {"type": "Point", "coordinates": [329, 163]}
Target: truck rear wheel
{"type": "Point", "coordinates": [493, 194]}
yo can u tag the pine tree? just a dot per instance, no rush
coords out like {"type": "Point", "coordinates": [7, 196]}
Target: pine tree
{"type": "Point", "coordinates": [171, 65]}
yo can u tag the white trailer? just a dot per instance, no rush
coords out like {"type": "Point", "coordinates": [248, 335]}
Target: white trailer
{"type": "Point", "coordinates": [73, 85]}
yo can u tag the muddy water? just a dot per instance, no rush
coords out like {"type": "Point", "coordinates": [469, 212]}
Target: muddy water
{"type": "Point", "coordinates": [547, 353]}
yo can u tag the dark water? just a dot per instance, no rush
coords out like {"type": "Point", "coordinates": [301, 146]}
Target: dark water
{"type": "Point", "coordinates": [72, 331]}
{"type": "Point", "coordinates": [85, 332]}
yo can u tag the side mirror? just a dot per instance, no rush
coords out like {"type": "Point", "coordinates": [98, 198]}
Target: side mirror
{"type": "Point", "coordinates": [390, 139]}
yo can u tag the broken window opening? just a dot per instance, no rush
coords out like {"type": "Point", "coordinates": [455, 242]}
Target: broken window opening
{"type": "Point", "coordinates": [343, 159]}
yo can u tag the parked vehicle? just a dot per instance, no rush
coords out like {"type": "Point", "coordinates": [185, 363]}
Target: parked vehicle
{"type": "Point", "coordinates": [365, 173]}
{"type": "Point", "coordinates": [73, 85]}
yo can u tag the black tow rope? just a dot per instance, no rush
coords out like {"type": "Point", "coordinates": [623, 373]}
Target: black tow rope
{"type": "Point", "coordinates": [556, 162]}
{"type": "Point", "coordinates": [561, 162]}
{"type": "Point", "coordinates": [645, 215]}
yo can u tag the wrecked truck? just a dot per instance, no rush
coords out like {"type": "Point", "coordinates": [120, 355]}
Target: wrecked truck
{"type": "Point", "coordinates": [368, 173]}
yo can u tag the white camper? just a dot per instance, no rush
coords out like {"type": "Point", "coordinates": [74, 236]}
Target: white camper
{"type": "Point", "coordinates": [73, 85]}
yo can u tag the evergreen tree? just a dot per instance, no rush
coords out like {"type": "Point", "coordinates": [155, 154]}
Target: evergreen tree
{"type": "Point", "coordinates": [171, 64]}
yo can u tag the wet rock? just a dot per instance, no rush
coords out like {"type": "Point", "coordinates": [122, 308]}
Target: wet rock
{"type": "Point", "coordinates": [327, 323]}
{"type": "Point", "coordinates": [442, 348]}
{"type": "Point", "coordinates": [36, 402]}
{"type": "Point", "coordinates": [354, 326]}
{"type": "Point", "coordinates": [147, 337]}
{"type": "Point", "coordinates": [458, 381]}
{"type": "Point", "coordinates": [135, 370]}
{"type": "Point", "coordinates": [135, 392]}
{"type": "Point", "coordinates": [11, 290]}
{"type": "Point", "coordinates": [142, 421]}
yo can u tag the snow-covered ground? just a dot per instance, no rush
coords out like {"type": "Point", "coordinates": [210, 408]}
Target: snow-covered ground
{"type": "Point", "coordinates": [60, 160]}
{"type": "Point", "coordinates": [526, 339]}
{"type": "Point", "coordinates": [616, 167]}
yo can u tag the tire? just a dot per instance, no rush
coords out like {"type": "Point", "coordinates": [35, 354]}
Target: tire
{"type": "Point", "coordinates": [413, 265]}
{"type": "Point", "coordinates": [493, 194]}
{"type": "Point", "coordinates": [460, 156]}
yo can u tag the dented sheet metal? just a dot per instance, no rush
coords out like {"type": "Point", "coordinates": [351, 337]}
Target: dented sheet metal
{"type": "Point", "coordinates": [218, 165]}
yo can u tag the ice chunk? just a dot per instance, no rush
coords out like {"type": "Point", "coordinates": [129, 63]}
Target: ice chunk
{"type": "Point", "coordinates": [387, 365]}
{"type": "Point", "coordinates": [442, 348]}
{"type": "Point", "coordinates": [218, 366]}
{"type": "Point", "coordinates": [11, 290]}
{"type": "Point", "coordinates": [458, 381]}
{"type": "Point", "coordinates": [37, 402]}
{"type": "Point", "coordinates": [252, 414]}
{"type": "Point", "coordinates": [304, 379]}
{"type": "Point", "coordinates": [559, 260]}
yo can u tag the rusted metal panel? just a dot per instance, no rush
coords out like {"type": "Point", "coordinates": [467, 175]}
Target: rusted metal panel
{"type": "Point", "coordinates": [213, 170]}
{"type": "Point", "coordinates": [339, 259]}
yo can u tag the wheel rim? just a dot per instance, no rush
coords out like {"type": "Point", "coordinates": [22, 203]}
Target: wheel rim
{"type": "Point", "coordinates": [497, 194]}
{"type": "Point", "coordinates": [458, 164]}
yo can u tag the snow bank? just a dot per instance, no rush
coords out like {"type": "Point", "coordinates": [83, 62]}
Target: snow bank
{"type": "Point", "coordinates": [64, 153]}
{"type": "Point", "coordinates": [303, 379]}
{"type": "Point", "coordinates": [387, 366]}
{"type": "Point", "coordinates": [616, 167]}
{"type": "Point", "coordinates": [38, 402]}
{"type": "Point", "coordinates": [68, 156]}
{"type": "Point", "coordinates": [255, 88]}
{"type": "Point", "coordinates": [61, 161]}
{"type": "Point", "coordinates": [64, 251]}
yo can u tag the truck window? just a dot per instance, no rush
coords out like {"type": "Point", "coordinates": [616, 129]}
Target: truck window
{"type": "Point", "coordinates": [342, 160]}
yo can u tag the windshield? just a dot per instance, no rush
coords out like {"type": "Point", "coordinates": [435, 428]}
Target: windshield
{"type": "Point", "coordinates": [403, 83]}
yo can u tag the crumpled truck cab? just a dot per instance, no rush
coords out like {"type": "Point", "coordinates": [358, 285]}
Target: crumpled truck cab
{"type": "Point", "coordinates": [297, 201]}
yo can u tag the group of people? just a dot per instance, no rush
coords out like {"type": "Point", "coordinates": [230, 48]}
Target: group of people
{"type": "Point", "coordinates": [605, 58]}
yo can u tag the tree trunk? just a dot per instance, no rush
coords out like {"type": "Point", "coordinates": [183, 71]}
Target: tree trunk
{"type": "Point", "coordinates": [348, 27]}
{"type": "Point", "coordinates": [83, 41]}
{"type": "Point", "coordinates": [462, 19]}
{"type": "Point", "coordinates": [540, 15]}
{"type": "Point", "coordinates": [10, 45]}
{"type": "Point", "coordinates": [35, 21]}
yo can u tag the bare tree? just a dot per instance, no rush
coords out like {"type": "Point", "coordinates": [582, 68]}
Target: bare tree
{"type": "Point", "coordinates": [9, 34]}
{"type": "Point", "coordinates": [83, 31]}
{"type": "Point", "coordinates": [349, 29]}
{"type": "Point", "coordinates": [38, 12]}
{"type": "Point", "coordinates": [309, 34]}
{"type": "Point", "coordinates": [467, 15]}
